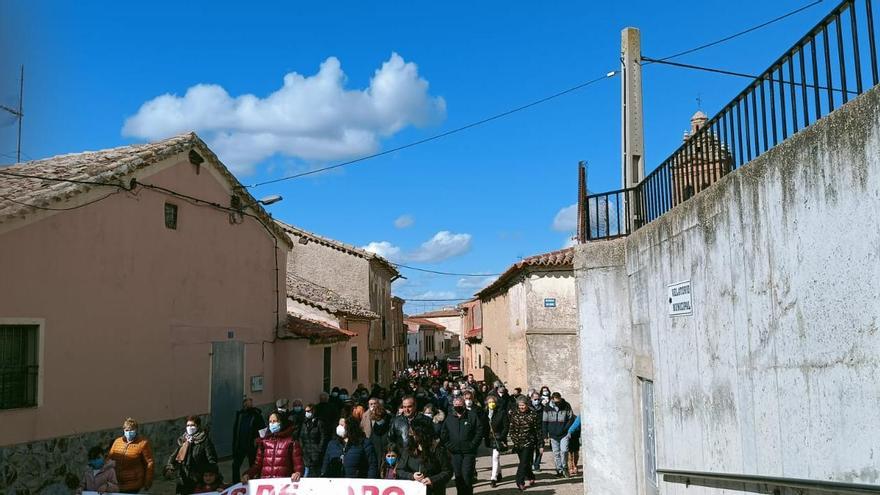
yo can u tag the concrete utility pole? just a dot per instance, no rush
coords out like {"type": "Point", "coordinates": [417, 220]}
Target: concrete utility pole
{"type": "Point", "coordinates": [583, 225]}
{"type": "Point", "coordinates": [632, 131]}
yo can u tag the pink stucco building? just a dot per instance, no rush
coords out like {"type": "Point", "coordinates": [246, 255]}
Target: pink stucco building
{"type": "Point", "coordinates": [145, 281]}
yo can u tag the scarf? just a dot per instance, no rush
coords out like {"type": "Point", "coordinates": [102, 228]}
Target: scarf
{"type": "Point", "coordinates": [181, 452]}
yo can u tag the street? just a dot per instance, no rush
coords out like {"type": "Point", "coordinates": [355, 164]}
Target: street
{"type": "Point", "coordinates": [547, 482]}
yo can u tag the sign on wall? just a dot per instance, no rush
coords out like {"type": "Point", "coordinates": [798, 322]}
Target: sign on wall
{"type": "Point", "coordinates": [550, 302]}
{"type": "Point", "coordinates": [680, 300]}
{"type": "Point", "coordinates": [257, 383]}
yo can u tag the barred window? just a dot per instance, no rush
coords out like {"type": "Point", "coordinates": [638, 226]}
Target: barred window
{"type": "Point", "coordinates": [171, 216]}
{"type": "Point", "coordinates": [354, 363]}
{"type": "Point", "coordinates": [18, 366]}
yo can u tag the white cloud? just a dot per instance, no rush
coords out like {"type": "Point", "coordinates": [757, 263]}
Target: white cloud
{"type": "Point", "coordinates": [384, 249]}
{"type": "Point", "coordinates": [475, 282]}
{"type": "Point", "coordinates": [433, 294]}
{"type": "Point", "coordinates": [566, 219]}
{"type": "Point", "coordinates": [570, 242]}
{"type": "Point", "coordinates": [309, 117]}
{"type": "Point", "coordinates": [404, 221]}
{"type": "Point", "coordinates": [442, 246]}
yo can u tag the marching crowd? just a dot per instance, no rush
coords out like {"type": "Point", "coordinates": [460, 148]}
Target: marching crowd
{"type": "Point", "coordinates": [424, 427]}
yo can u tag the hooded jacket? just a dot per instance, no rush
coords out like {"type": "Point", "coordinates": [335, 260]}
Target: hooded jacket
{"type": "Point", "coordinates": [278, 456]}
{"type": "Point", "coordinates": [102, 480]}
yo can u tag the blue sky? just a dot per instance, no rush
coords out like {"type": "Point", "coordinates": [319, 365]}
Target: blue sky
{"type": "Point", "coordinates": [476, 201]}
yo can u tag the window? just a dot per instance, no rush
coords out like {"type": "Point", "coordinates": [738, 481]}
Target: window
{"type": "Point", "coordinates": [171, 216]}
{"type": "Point", "coordinates": [354, 363]}
{"type": "Point", "coordinates": [18, 366]}
{"type": "Point", "coordinates": [376, 371]}
{"type": "Point", "coordinates": [383, 328]}
{"type": "Point", "coordinates": [327, 366]}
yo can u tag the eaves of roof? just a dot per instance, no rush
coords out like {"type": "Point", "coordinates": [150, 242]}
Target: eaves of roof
{"type": "Point", "coordinates": [563, 259]}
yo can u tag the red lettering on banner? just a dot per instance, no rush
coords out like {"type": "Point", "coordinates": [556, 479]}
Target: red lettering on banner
{"type": "Point", "coordinates": [241, 490]}
{"type": "Point", "coordinates": [265, 490]}
{"type": "Point", "coordinates": [393, 490]}
{"type": "Point", "coordinates": [289, 489]}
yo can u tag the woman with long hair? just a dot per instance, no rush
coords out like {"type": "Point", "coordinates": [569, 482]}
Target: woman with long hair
{"type": "Point", "coordinates": [424, 459]}
{"type": "Point", "coordinates": [350, 454]}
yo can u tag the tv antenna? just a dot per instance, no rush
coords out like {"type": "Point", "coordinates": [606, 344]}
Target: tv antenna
{"type": "Point", "coordinates": [18, 113]}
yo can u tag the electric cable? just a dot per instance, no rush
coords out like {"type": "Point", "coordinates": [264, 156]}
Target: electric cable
{"type": "Point", "coordinates": [741, 74]}
{"type": "Point", "coordinates": [440, 135]}
{"type": "Point", "coordinates": [446, 273]}
{"type": "Point", "coordinates": [736, 35]}
{"type": "Point", "coordinates": [22, 203]}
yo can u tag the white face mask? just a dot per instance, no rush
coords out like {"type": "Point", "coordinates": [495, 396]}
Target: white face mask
{"type": "Point", "coordinates": [340, 431]}
{"type": "Point", "coordinates": [468, 403]}
{"type": "Point", "coordinates": [191, 430]}
{"type": "Point", "coordinates": [309, 414]}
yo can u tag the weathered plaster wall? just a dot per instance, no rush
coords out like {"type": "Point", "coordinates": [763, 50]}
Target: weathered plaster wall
{"type": "Point", "coordinates": [776, 371]}
{"type": "Point", "coordinates": [335, 269]}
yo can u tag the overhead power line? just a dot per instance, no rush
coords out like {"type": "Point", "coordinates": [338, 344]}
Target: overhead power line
{"type": "Point", "coordinates": [737, 35]}
{"type": "Point", "coordinates": [442, 134]}
{"type": "Point", "coordinates": [740, 74]}
{"type": "Point", "coordinates": [446, 273]}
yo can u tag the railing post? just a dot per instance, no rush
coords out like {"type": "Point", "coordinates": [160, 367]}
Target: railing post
{"type": "Point", "coordinates": [632, 132]}
{"type": "Point", "coordinates": [583, 219]}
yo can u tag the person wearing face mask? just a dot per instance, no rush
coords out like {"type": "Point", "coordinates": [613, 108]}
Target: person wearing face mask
{"type": "Point", "coordinates": [349, 454]}
{"type": "Point", "coordinates": [133, 456]}
{"type": "Point", "coordinates": [313, 439]}
{"type": "Point", "coordinates": [462, 434]}
{"type": "Point", "coordinates": [496, 435]}
{"type": "Point", "coordinates": [558, 418]}
{"type": "Point", "coordinates": [297, 416]}
{"type": "Point", "coordinates": [278, 454]}
{"type": "Point", "coordinates": [524, 431]}
{"type": "Point", "coordinates": [195, 452]}
{"type": "Point", "coordinates": [245, 435]}
{"type": "Point", "coordinates": [101, 473]}
{"type": "Point", "coordinates": [536, 406]}
{"type": "Point", "coordinates": [424, 460]}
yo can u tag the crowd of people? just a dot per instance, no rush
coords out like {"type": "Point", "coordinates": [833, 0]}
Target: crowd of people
{"type": "Point", "coordinates": [424, 427]}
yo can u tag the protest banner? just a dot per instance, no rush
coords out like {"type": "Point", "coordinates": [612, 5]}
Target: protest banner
{"type": "Point", "coordinates": [318, 486]}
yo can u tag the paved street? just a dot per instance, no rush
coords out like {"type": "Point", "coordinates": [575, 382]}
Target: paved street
{"type": "Point", "coordinates": [547, 482]}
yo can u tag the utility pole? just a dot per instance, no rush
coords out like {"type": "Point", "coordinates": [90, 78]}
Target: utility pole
{"type": "Point", "coordinates": [20, 114]}
{"type": "Point", "coordinates": [632, 130]}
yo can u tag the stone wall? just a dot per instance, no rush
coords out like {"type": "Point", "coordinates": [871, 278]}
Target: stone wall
{"type": "Point", "coordinates": [775, 372]}
{"type": "Point", "coordinates": [55, 466]}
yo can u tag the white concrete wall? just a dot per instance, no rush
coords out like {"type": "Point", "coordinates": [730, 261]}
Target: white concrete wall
{"type": "Point", "coordinates": [776, 372]}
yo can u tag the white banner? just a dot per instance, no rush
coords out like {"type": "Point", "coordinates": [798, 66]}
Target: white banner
{"type": "Point", "coordinates": [319, 486]}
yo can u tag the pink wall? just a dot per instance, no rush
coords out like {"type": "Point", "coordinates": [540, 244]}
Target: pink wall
{"type": "Point", "coordinates": [130, 307]}
{"type": "Point", "coordinates": [299, 366]}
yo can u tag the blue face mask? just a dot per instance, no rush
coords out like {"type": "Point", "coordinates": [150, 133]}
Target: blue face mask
{"type": "Point", "coordinates": [274, 427]}
{"type": "Point", "coordinates": [96, 463]}
{"type": "Point", "coordinates": [129, 435]}
{"type": "Point", "coordinates": [297, 409]}
{"type": "Point", "coordinates": [391, 460]}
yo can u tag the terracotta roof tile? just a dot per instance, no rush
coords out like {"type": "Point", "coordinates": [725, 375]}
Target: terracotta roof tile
{"type": "Point", "coordinates": [316, 331]}
{"type": "Point", "coordinates": [442, 313]}
{"type": "Point", "coordinates": [114, 165]}
{"type": "Point", "coordinates": [423, 322]}
{"type": "Point", "coordinates": [561, 258]}
{"type": "Point", "coordinates": [308, 292]}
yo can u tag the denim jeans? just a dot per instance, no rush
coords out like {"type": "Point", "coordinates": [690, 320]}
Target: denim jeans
{"type": "Point", "coordinates": [560, 451]}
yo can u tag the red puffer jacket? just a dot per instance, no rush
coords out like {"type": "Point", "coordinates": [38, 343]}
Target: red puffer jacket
{"type": "Point", "coordinates": [278, 456]}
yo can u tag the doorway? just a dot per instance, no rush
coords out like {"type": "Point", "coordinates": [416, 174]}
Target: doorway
{"type": "Point", "coordinates": [227, 389]}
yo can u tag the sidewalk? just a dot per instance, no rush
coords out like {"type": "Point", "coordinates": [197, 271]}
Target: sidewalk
{"type": "Point", "coordinates": [547, 482]}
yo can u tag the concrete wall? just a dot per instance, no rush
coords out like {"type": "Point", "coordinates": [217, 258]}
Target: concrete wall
{"type": "Point", "coordinates": [344, 273]}
{"type": "Point", "coordinates": [127, 304]}
{"type": "Point", "coordinates": [775, 372]}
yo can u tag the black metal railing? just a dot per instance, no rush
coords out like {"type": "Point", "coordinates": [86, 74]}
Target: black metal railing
{"type": "Point", "coordinates": [763, 484]}
{"type": "Point", "coordinates": [827, 67]}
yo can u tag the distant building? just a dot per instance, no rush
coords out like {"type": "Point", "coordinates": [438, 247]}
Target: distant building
{"type": "Point", "coordinates": [360, 275]}
{"type": "Point", "coordinates": [472, 335]}
{"type": "Point", "coordinates": [529, 326]}
{"type": "Point", "coordinates": [426, 340]}
{"type": "Point", "coordinates": [450, 319]}
{"type": "Point", "coordinates": [703, 162]}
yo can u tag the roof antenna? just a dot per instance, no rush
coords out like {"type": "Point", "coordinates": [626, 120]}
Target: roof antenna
{"type": "Point", "coordinates": [18, 113]}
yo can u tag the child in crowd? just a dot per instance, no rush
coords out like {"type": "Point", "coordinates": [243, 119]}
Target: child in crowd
{"type": "Point", "coordinates": [389, 466]}
{"type": "Point", "coordinates": [212, 480]}
{"type": "Point", "coordinates": [101, 473]}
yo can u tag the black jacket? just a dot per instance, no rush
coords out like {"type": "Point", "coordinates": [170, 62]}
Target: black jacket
{"type": "Point", "coordinates": [349, 460]}
{"type": "Point", "coordinates": [462, 434]}
{"type": "Point", "coordinates": [312, 439]}
{"type": "Point", "coordinates": [246, 429]}
{"type": "Point", "coordinates": [199, 454]}
{"type": "Point", "coordinates": [398, 431]}
{"type": "Point", "coordinates": [496, 428]}
{"type": "Point", "coordinates": [435, 466]}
